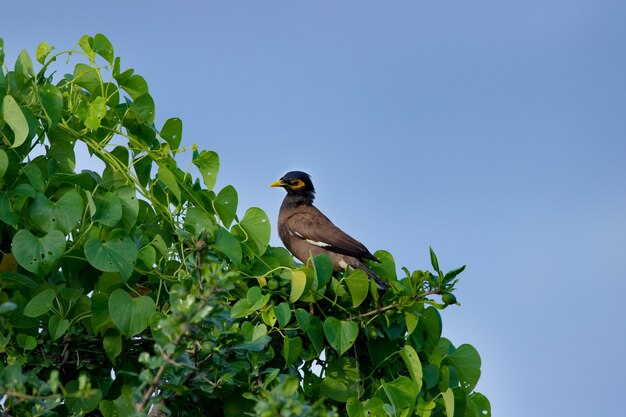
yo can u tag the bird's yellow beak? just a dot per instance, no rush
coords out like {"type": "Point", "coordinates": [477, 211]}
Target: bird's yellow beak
{"type": "Point", "coordinates": [278, 183]}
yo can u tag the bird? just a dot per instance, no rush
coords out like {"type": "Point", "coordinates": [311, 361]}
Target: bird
{"type": "Point", "coordinates": [306, 231]}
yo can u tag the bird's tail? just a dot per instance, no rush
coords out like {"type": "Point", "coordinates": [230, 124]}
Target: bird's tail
{"type": "Point", "coordinates": [379, 281]}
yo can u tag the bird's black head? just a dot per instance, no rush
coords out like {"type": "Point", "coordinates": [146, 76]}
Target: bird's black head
{"type": "Point", "coordinates": [297, 183]}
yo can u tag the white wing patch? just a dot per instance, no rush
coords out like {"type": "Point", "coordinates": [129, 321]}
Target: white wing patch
{"type": "Point", "coordinates": [320, 244]}
{"type": "Point", "coordinates": [312, 242]}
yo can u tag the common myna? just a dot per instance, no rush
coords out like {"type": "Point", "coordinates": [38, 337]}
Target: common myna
{"type": "Point", "coordinates": [307, 232]}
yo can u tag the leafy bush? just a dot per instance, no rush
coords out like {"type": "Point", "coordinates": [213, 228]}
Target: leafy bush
{"type": "Point", "coordinates": [138, 290]}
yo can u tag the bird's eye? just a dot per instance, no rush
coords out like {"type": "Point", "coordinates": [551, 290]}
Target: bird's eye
{"type": "Point", "coordinates": [295, 184]}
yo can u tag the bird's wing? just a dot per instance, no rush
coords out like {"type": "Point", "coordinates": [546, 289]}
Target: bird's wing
{"type": "Point", "coordinates": [313, 226]}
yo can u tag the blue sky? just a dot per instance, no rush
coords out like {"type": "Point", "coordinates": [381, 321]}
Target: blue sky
{"type": "Point", "coordinates": [493, 131]}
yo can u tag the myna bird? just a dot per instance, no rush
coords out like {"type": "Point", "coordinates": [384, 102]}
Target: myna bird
{"type": "Point", "coordinates": [307, 232]}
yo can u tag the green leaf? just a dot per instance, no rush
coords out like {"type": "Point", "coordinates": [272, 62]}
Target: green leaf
{"type": "Point", "coordinates": [387, 266]}
{"type": "Point", "coordinates": [225, 204]}
{"type": "Point", "coordinates": [433, 259]}
{"type": "Point", "coordinates": [62, 215]}
{"type": "Point", "coordinates": [255, 345]}
{"type": "Point", "coordinates": [112, 343]}
{"type": "Point", "coordinates": [100, 316]}
{"type": "Point", "coordinates": [448, 400]}
{"type": "Point", "coordinates": [298, 284]}
{"type": "Point", "coordinates": [1, 51]}
{"type": "Point", "coordinates": [135, 86]}
{"type": "Point", "coordinates": [85, 44]}
{"type": "Point", "coordinates": [4, 163]}
{"type": "Point", "coordinates": [57, 327]}
{"type": "Point", "coordinates": [358, 285]}
{"type": "Point", "coordinates": [198, 220]}
{"type": "Point", "coordinates": [71, 294]}
{"type": "Point", "coordinates": [108, 210]}
{"type": "Point", "coordinates": [142, 109]}
{"type": "Point", "coordinates": [208, 163]}
{"type": "Point", "coordinates": [38, 254]}
{"type": "Point", "coordinates": [14, 117]}
{"type": "Point", "coordinates": [479, 404]}
{"type": "Point", "coordinates": [26, 342]}
{"type": "Point", "coordinates": [240, 309]}
{"type": "Point", "coordinates": [24, 68]}
{"type": "Point", "coordinates": [40, 304]}
{"type": "Point", "coordinates": [102, 46]}
{"type": "Point", "coordinates": [292, 349]}
{"type": "Point", "coordinates": [130, 315]}
{"type": "Point", "coordinates": [413, 364]}
{"type": "Point", "coordinates": [255, 228]}
{"type": "Point", "coordinates": [228, 245]}
{"type": "Point", "coordinates": [323, 267]}
{"type": "Point", "coordinates": [340, 334]}
{"type": "Point", "coordinates": [431, 375]}
{"type": "Point", "coordinates": [341, 380]}
{"type": "Point", "coordinates": [172, 132]}
{"type": "Point", "coordinates": [315, 332]}
{"type": "Point", "coordinates": [118, 253]}
{"type": "Point", "coordinates": [256, 299]}
{"type": "Point", "coordinates": [167, 177]}
{"type": "Point", "coordinates": [303, 319]}
{"type": "Point", "coordinates": [148, 256]}
{"type": "Point", "coordinates": [43, 49]}
{"type": "Point", "coordinates": [431, 320]}
{"type": "Point", "coordinates": [450, 275]}
{"type": "Point", "coordinates": [91, 114]}
{"type": "Point", "coordinates": [86, 77]}
{"type": "Point", "coordinates": [52, 103]}
{"type": "Point", "coordinates": [411, 318]}
{"type": "Point", "coordinates": [35, 176]}
{"type": "Point", "coordinates": [81, 402]}
{"type": "Point", "coordinates": [109, 92]}
{"type": "Point", "coordinates": [283, 314]}
{"type": "Point", "coordinates": [402, 393]}
{"type": "Point", "coordinates": [130, 205]}
{"type": "Point", "coordinates": [466, 361]}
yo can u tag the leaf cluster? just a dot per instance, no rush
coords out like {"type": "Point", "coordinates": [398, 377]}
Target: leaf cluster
{"type": "Point", "coordinates": [137, 289]}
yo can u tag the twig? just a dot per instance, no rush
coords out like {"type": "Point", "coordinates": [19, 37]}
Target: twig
{"type": "Point", "coordinates": [392, 306]}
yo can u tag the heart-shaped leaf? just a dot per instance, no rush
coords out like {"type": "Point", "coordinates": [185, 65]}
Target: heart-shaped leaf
{"type": "Point", "coordinates": [341, 334]}
{"type": "Point", "coordinates": [116, 254]}
{"type": "Point", "coordinates": [130, 315]}
{"type": "Point", "coordinates": [228, 245]}
{"type": "Point", "coordinates": [61, 215]}
{"type": "Point", "coordinates": [255, 229]}
{"type": "Point", "coordinates": [323, 267]}
{"type": "Point", "coordinates": [298, 284]}
{"type": "Point", "coordinates": [466, 361]}
{"type": "Point", "coordinates": [358, 285]}
{"type": "Point", "coordinates": [38, 254]}
{"type": "Point", "coordinates": [225, 204]}
{"type": "Point", "coordinates": [109, 210]}
{"type": "Point", "coordinates": [52, 102]}
{"type": "Point", "coordinates": [172, 132]}
{"type": "Point", "coordinates": [208, 163]}
{"type": "Point", "coordinates": [57, 327]}
{"type": "Point", "coordinates": [341, 380]}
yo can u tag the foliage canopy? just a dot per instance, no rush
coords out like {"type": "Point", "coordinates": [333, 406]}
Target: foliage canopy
{"type": "Point", "coordinates": [139, 290]}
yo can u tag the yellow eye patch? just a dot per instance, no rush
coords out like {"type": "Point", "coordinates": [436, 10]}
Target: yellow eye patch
{"type": "Point", "coordinates": [295, 184]}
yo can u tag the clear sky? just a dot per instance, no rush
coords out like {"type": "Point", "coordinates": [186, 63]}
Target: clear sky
{"type": "Point", "coordinates": [494, 131]}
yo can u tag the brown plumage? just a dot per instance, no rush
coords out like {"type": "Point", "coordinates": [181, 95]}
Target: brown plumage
{"type": "Point", "coordinates": [307, 232]}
